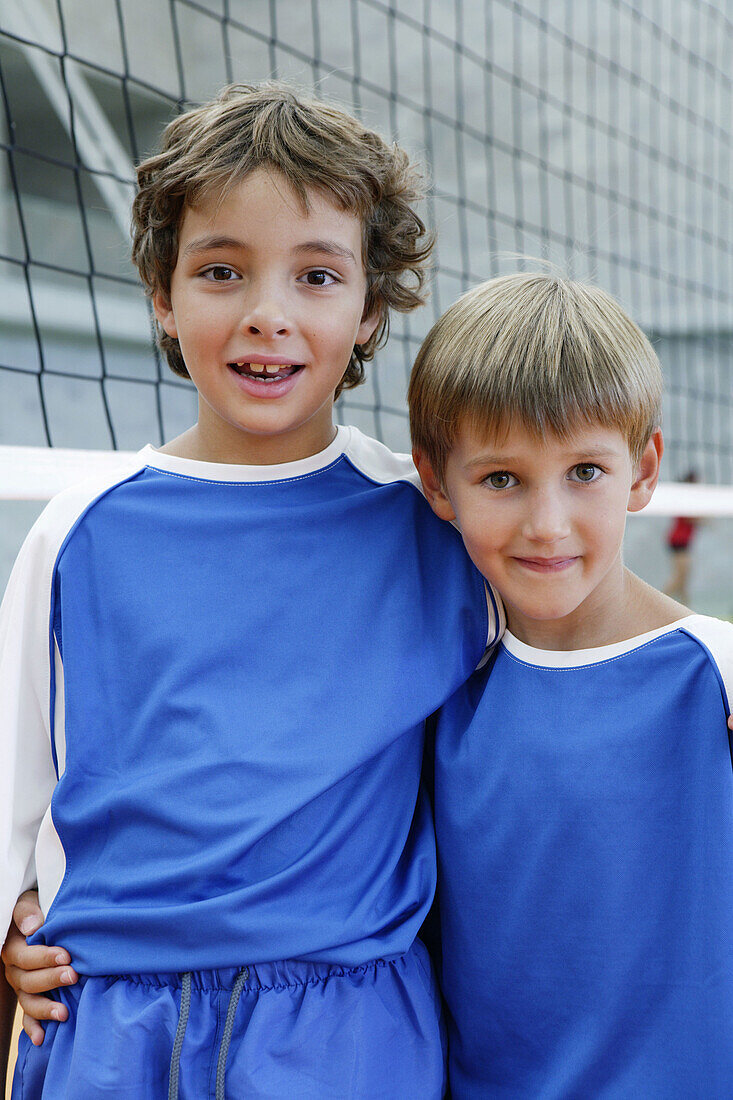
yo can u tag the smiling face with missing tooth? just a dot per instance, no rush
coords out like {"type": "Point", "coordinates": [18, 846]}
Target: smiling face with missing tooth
{"type": "Point", "coordinates": [267, 303]}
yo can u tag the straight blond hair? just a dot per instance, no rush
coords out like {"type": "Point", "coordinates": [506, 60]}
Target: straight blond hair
{"type": "Point", "coordinates": [537, 350]}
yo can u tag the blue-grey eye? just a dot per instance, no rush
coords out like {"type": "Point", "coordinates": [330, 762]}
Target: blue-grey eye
{"type": "Point", "coordinates": [584, 471]}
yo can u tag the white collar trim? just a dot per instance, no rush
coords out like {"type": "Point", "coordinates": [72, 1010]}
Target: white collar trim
{"type": "Point", "coordinates": [221, 471]}
{"type": "Point", "coordinates": [575, 658]}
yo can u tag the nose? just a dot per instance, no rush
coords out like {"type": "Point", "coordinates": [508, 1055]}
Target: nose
{"type": "Point", "coordinates": [547, 518]}
{"type": "Point", "coordinates": [265, 313]}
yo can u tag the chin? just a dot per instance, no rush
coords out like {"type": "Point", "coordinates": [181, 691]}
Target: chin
{"type": "Point", "coordinates": [548, 614]}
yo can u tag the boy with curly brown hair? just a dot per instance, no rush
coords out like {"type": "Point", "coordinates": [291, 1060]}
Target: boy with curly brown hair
{"type": "Point", "coordinates": [217, 664]}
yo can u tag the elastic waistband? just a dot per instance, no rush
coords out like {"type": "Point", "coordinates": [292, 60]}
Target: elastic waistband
{"type": "Point", "coordinates": [287, 974]}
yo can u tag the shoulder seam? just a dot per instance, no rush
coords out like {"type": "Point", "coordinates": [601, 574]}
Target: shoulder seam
{"type": "Point", "coordinates": [377, 463]}
{"type": "Point", "coordinates": [405, 479]}
{"type": "Point", "coordinates": [724, 675]}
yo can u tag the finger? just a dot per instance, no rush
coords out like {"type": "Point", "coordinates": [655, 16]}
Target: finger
{"type": "Point", "coordinates": [16, 952]}
{"type": "Point", "coordinates": [33, 1030]}
{"type": "Point", "coordinates": [40, 981]}
{"type": "Point", "coordinates": [27, 914]}
{"type": "Point", "coordinates": [42, 1008]}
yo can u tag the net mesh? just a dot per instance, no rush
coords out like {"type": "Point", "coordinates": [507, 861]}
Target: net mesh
{"type": "Point", "coordinates": [596, 136]}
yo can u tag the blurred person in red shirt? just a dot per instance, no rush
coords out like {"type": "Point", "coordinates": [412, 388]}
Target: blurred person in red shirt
{"type": "Point", "coordinates": [679, 540]}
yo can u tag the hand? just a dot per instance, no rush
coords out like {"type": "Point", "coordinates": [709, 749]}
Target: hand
{"type": "Point", "coordinates": [730, 722]}
{"type": "Point", "coordinates": [34, 970]}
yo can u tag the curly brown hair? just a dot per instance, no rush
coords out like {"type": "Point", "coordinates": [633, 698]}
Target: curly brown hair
{"type": "Point", "coordinates": [313, 144]}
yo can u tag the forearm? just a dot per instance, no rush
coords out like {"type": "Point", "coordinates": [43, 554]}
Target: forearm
{"type": "Point", "coordinates": [7, 1013]}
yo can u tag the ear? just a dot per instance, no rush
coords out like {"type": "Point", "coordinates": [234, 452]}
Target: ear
{"type": "Point", "coordinates": [163, 311]}
{"type": "Point", "coordinates": [367, 326]}
{"type": "Point", "coordinates": [647, 473]}
{"type": "Point", "coordinates": [435, 494]}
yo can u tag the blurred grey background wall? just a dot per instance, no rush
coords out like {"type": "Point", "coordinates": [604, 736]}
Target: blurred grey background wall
{"type": "Point", "coordinates": [595, 135]}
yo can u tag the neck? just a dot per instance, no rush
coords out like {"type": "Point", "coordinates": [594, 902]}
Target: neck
{"type": "Point", "coordinates": [237, 448]}
{"type": "Point", "coordinates": [625, 607]}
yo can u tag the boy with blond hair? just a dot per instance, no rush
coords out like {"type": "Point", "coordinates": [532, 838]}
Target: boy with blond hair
{"type": "Point", "coordinates": [583, 781]}
{"type": "Point", "coordinates": [216, 665]}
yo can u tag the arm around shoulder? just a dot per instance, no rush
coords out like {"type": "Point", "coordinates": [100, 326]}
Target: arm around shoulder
{"type": "Point", "coordinates": [7, 1013]}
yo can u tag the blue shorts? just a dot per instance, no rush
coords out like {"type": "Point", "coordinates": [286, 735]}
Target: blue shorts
{"type": "Point", "coordinates": [275, 1030]}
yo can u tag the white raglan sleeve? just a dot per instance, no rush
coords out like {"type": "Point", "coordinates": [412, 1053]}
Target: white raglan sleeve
{"type": "Point", "coordinates": [716, 635]}
{"type": "Point", "coordinates": [32, 734]}
{"type": "Point", "coordinates": [27, 772]}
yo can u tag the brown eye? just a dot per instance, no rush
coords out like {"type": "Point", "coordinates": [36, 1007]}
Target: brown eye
{"type": "Point", "coordinates": [319, 277]}
{"type": "Point", "coordinates": [220, 274]}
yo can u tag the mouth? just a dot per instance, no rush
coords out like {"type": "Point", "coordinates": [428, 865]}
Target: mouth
{"type": "Point", "coordinates": [265, 373]}
{"type": "Point", "coordinates": [547, 565]}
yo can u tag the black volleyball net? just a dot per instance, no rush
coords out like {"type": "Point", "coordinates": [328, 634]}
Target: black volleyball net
{"type": "Point", "coordinates": [596, 136]}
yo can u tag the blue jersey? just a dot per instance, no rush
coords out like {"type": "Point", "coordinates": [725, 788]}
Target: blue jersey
{"type": "Point", "coordinates": [584, 816]}
{"type": "Point", "coordinates": [214, 683]}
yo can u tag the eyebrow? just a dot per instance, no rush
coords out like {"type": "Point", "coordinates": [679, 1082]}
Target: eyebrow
{"type": "Point", "coordinates": [511, 460]}
{"type": "Point", "coordinates": [331, 248]}
{"type": "Point", "coordinates": [597, 452]}
{"type": "Point", "coordinates": [491, 460]}
{"type": "Point", "coordinates": [217, 243]}
{"type": "Point", "coordinates": [211, 244]}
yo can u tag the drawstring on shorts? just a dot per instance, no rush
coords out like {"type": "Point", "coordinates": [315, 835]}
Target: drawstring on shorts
{"type": "Point", "coordinates": [185, 1005]}
{"type": "Point", "coordinates": [221, 1065]}
{"type": "Point", "coordinates": [180, 1034]}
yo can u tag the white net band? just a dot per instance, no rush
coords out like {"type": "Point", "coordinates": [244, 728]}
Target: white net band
{"type": "Point", "coordinates": [38, 473]}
